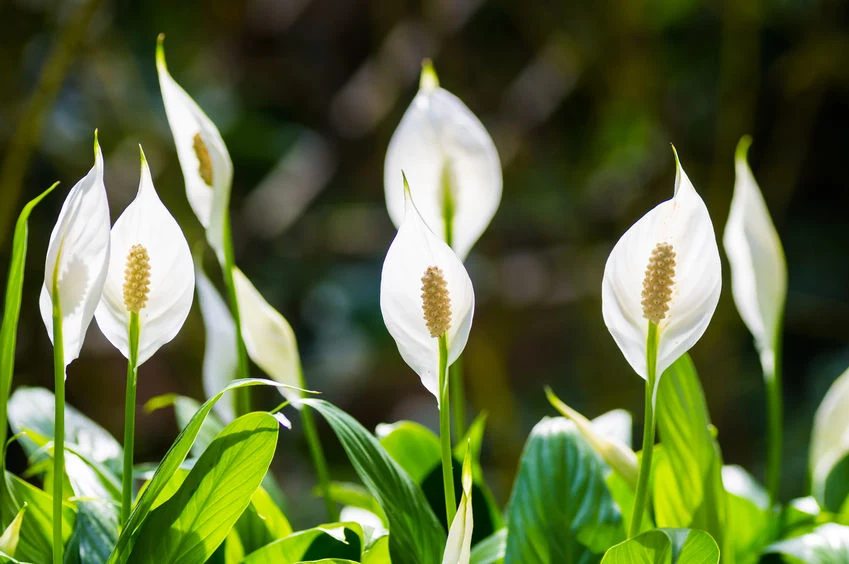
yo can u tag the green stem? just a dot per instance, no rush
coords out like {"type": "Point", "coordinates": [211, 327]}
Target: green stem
{"type": "Point", "coordinates": [648, 434]}
{"type": "Point", "coordinates": [445, 431]}
{"type": "Point", "coordinates": [458, 403]}
{"type": "Point", "coordinates": [242, 396]}
{"type": "Point", "coordinates": [771, 362]}
{"type": "Point", "coordinates": [319, 462]}
{"type": "Point", "coordinates": [59, 425]}
{"type": "Point", "coordinates": [130, 420]}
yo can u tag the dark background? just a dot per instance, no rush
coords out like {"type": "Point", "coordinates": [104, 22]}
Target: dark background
{"type": "Point", "coordinates": [582, 99]}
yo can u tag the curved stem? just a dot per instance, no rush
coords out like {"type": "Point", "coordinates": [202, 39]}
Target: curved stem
{"type": "Point", "coordinates": [648, 434]}
{"type": "Point", "coordinates": [771, 363]}
{"type": "Point", "coordinates": [319, 462]}
{"type": "Point", "coordinates": [242, 395]}
{"type": "Point", "coordinates": [58, 425]}
{"type": "Point", "coordinates": [445, 431]}
{"type": "Point", "coordinates": [130, 420]}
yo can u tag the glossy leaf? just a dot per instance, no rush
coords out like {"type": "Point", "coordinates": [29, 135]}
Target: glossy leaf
{"type": "Point", "coordinates": [665, 546]}
{"type": "Point", "coordinates": [490, 550]}
{"type": "Point", "coordinates": [827, 544]}
{"type": "Point", "coordinates": [413, 446]}
{"type": "Point", "coordinates": [415, 532]}
{"type": "Point", "coordinates": [331, 541]}
{"type": "Point", "coordinates": [191, 525]}
{"type": "Point", "coordinates": [560, 509]}
{"type": "Point", "coordinates": [750, 524]}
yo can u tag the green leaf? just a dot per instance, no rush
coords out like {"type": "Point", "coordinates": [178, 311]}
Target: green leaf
{"type": "Point", "coordinates": [184, 410]}
{"type": "Point", "coordinates": [96, 530]}
{"type": "Point", "coordinates": [560, 510]}
{"type": "Point", "coordinates": [9, 327]}
{"type": "Point", "coordinates": [827, 544]}
{"type": "Point", "coordinates": [9, 538]}
{"type": "Point", "coordinates": [750, 524]}
{"type": "Point", "coordinates": [665, 546]}
{"type": "Point", "coordinates": [189, 527]}
{"type": "Point", "coordinates": [31, 410]}
{"type": "Point", "coordinates": [415, 533]}
{"type": "Point", "coordinates": [170, 464]}
{"type": "Point", "coordinates": [491, 549]}
{"type": "Point", "coordinates": [413, 446]}
{"type": "Point", "coordinates": [260, 524]}
{"type": "Point", "coordinates": [334, 540]}
{"type": "Point", "coordinates": [356, 495]}
{"type": "Point", "coordinates": [35, 540]}
{"type": "Point", "coordinates": [687, 480]}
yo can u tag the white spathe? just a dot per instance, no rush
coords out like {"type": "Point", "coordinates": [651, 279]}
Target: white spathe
{"type": "Point", "coordinates": [442, 146]}
{"type": "Point", "coordinates": [458, 546]}
{"type": "Point", "coordinates": [78, 254]}
{"type": "Point", "coordinates": [146, 221]}
{"type": "Point", "coordinates": [684, 223]}
{"type": "Point", "coordinates": [830, 435]}
{"type": "Point", "coordinates": [414, 249]}
{"type": "Point", "coordinates": [208, 182]}
{"type": "Point", "coordinates": [269, 339]}
{"type": "Point", "coordinates": [758, 266]}
{"type": "Point", "coordinates": [220, 353]}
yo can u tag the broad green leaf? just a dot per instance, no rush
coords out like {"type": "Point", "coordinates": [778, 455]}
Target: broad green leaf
{"type": "Point", "coordinates": [377, 552]}
{"type": "Point", "coordinates": [334, 540]}
{"type": "Point", "coordinates": [189, 527]}
{"type": "Point", "coordinates": [415, 533]}
{"type": "Point", "coordinates": [491, 549]}
{"type": "Point", "coordinates": [829, 458]}
{"type": "Point", "coordinates": [560, 510]}
{"type": "Point", "coordinates": [413, 446]}
{"type": "Point", "coordinates": [355, 495]}
{"type": "Point", "coordinates": [260, 524]}
{"type": "Point", "coordinates": [827, 544]}
{"type": "Point", "coordinates": [184, 409]}
{"type": "Point", "coordinates": [170, 464]}
{"type": "Point", "coordinates": [665, 546]}
{"type": "Point", "coordinates": [36, 534]}
{"type": "Point", "coordinates": [9, 538]}
{"type": "Point", "coordinates": [687, 481]}
{"type": "Point", "coordinates": [98, 509]}
{"type": "Point", "coordinates": [31, 410]}
{"type": "Point", "coordinates": [9, 327]}
{"type": "Point", "coordinates": [750, 524]}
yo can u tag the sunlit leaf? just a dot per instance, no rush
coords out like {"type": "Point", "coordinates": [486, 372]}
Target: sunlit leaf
{"type": "Point", "coordinates": [665, 546]}
{"type": "Point", "coordinates": [827, 544]}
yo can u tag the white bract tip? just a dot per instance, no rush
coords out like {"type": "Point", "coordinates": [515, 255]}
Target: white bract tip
{"type": "Point", "coordinates": [207, 168]}
{"type": "Point", "coordinates": [678, 230]}
{"type": "Point", "coordinates": [78, 258]}
{"type": "Point", "coordinates": [220, 353]}
{"type": "Point", "coordinates": [406, 299]}
{"type": "Point", "coordinates": [269, 339]}
{"type": "Point", "coordinates": [758, 267]}
{"type": "Point", "coordinates": [453, 164]}
{"type": "Point", "coordinates": [458, 547]}
{"type": "Point", "coordinates": [147, 224]}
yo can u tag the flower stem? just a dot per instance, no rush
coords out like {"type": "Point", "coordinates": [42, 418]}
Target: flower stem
{"type": "Point", "coordinates": [771, 363]}
{"type": "Point", "coordinates": [242, 395]}
{"type": "Point", "coordinates": [648, 434]}
{"type": "Point", "coordinates": [458, 405]}
{"type": "Point", "coordinates": [130, 420]}
{"type": "Point", "coordinates": [320, 463]}
{"type": "Point", "coordinates": [58, 425]}
{"type": "Point", "coordinates": [445, 431]}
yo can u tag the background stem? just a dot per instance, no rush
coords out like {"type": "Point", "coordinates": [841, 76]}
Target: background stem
{"type": "Point", "coordinates": [648, 434]}
{"type": "Point", "coordinates": [130, 420]}
{"type": "Point", "coordinates": [775, 415]}
{"type": "Point", "coordinates": [445, 431]}
{"type": "Point", "coordinates": [58, 425]}
{"type": "Point", "coordinates": [320, 463]}
{"type": "Point", "coordinates": [242, 396]}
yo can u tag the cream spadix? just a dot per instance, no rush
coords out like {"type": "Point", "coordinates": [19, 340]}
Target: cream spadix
{"type": "Point", "coordinates": [665, 269]}
{"type": "Point", "coordinates": [758, 267]}
{"type": "Point", "coordinates": [269, 339]}
{"type": "Point", "coordinates": [425, 292]}
{"type": "Point", "coordinates": [207, 168]}
{"type": "Point", "coordinates": [150, 273]}
{"type": "Point", "coordinates": [453, 164]}
{"type": "Point", "coordinates": [78, 258]}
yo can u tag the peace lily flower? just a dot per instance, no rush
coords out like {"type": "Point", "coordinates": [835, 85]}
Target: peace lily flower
{"type": "Point", "coordinates": [759, 287]}
{"type": "Point", "coordinates": [456, 173]}
{"type": "Point", "coordinates": [74, 273]}
{"type": "Point", "coordinates": [206, 164]}
{"type": "Point", "coordinates": [458, 547]}
{"type": "Point", "coordinates": [77, 259]}
{"type": "Point", "coordinates": [664, 271]}
{"type": "Point", "coordinates": [660, 288]}
{"type": "Point", "coordinates": [425, 294]}
{"type": "Point", "coordinates": [150, 274]}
